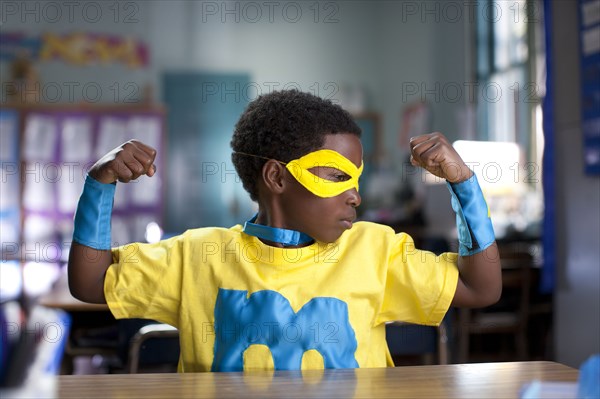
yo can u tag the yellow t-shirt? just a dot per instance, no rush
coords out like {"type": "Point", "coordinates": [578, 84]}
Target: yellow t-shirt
{"type": "Point", "coordinates": [240, 304]}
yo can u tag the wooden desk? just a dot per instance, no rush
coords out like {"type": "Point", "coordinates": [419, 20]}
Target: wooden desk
{"type": "Point", "coordinates": [483, 380]}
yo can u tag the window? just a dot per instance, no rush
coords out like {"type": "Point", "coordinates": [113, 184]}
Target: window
{"type": "Point", "coordinates": [510, 74]}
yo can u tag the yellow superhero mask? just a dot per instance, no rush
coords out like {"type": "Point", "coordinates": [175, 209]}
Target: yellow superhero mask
{"type": "Point", "coordinates": [300, 169]}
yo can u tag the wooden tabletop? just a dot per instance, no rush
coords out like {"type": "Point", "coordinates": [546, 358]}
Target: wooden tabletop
{"type": "Point", "coordinates": [482, 380]}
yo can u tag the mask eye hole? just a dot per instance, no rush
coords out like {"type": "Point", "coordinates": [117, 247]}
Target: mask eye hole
{"type": "Point", "coordinates": [330, 174]}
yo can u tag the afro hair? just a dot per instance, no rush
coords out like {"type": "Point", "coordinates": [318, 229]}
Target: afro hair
{"type": "Point", "coordinates": [284, 125]}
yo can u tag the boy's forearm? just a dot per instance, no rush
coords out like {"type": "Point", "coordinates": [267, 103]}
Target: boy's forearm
{"type": "Point", "coordinates": [90, 253]}
{"type": "Point", "coordinates": [86, 270]}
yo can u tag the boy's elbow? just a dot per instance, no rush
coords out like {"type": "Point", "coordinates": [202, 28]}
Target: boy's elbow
{"type": "Point", "coordinates": [490, 297]}
{"type": "Point", "coordinates": [90, 296]}
{"type": "Point", "coordinates": [76, 290]}
{"type": "Point", "coordinates": [84, 292]}
{"type": "Point", "coordinates": [495, 296]}
{"type": "Point", "coordinates": [75, 293]}
{"type": "Point", "coordinates": [492, 292]}
{"type": "Point", "coordinates": [86, 272]}
{"type": "Point", "coordinates": [73, 282]}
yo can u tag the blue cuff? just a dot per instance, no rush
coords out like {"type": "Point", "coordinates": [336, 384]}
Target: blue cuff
{"type": "Point", "coordinates": [475, 230]}
{"type": "Point", "coordinates": [92, 218]}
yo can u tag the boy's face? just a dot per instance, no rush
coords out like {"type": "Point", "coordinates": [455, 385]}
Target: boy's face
{"type": "Point", "coordinates": [324, 219]}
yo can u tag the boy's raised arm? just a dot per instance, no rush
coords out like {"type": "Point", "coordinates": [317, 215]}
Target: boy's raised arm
{"type": "Point", "coordinates": [480, 279]}
{"type": "Point", "coordinates": [90, 253]}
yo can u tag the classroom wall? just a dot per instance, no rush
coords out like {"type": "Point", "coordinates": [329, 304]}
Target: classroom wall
{"type": "Point", "coordinates": [378, 47]}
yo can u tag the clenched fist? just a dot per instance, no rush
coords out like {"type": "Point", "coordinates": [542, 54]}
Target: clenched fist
{"type": "Point", "coordinates": [435, 153]}
{"type": "Point", "coordinates": [125, 163]}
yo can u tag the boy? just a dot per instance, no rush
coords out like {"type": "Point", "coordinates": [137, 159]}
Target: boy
{"type": "Point", "coordinates": [300, 285]}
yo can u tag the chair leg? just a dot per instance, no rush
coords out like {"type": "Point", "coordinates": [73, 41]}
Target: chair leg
{"type": "Point", "coordinates": [134, 356]}
{"type": "Point", "coordinates": [521, 341]}
{"type": "Point", "coordinates": [442, 344]}
{"type": "Point", "coordinates": [463, 335]}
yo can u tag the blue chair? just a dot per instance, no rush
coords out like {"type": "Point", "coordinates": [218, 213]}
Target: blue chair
{"type": "Point", "coordinates": [148, 346]}
{"type": "Point", "coordinates": [412, 343]}
{"type": "Point", "coordinates": [154, 344]}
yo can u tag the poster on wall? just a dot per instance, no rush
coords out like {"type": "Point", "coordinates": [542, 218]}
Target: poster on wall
{"type": "Point", "coordinates": [76, 48]}
{"type": "Point", "coordinates": [589, 25]}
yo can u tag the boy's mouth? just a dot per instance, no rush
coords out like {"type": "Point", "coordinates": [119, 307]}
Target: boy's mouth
{"type": "Point", "coordinates": [347, 222]}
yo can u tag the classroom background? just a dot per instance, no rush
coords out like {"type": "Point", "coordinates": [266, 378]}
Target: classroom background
{"type": "Point", "coordinates": [513, 83]}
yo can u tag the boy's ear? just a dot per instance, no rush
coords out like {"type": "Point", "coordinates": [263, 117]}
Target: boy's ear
{"type": "Point", "coordinates": [273, 176]}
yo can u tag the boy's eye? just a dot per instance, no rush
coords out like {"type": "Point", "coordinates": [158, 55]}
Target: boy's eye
{"type": "Point", "coordinates": [331, 174]}
{"type": "Point", "coordinates": [338, 176]}
{"type": "Point", "coordinates": [342, 177]}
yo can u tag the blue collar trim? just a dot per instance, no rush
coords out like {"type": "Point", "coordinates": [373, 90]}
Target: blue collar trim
{"type": "Point", "coordinates": [275, 234]}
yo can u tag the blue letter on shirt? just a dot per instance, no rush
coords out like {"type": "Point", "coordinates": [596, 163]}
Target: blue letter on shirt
{"type": "Point", "coordinates": [267, 318]}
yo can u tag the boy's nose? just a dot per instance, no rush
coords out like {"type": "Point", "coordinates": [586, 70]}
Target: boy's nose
{"type": "Point", "coordinates": [354, 198]}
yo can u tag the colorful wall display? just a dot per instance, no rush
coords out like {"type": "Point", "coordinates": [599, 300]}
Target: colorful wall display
{"type": "Point", "coordinates": [77, 48]}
